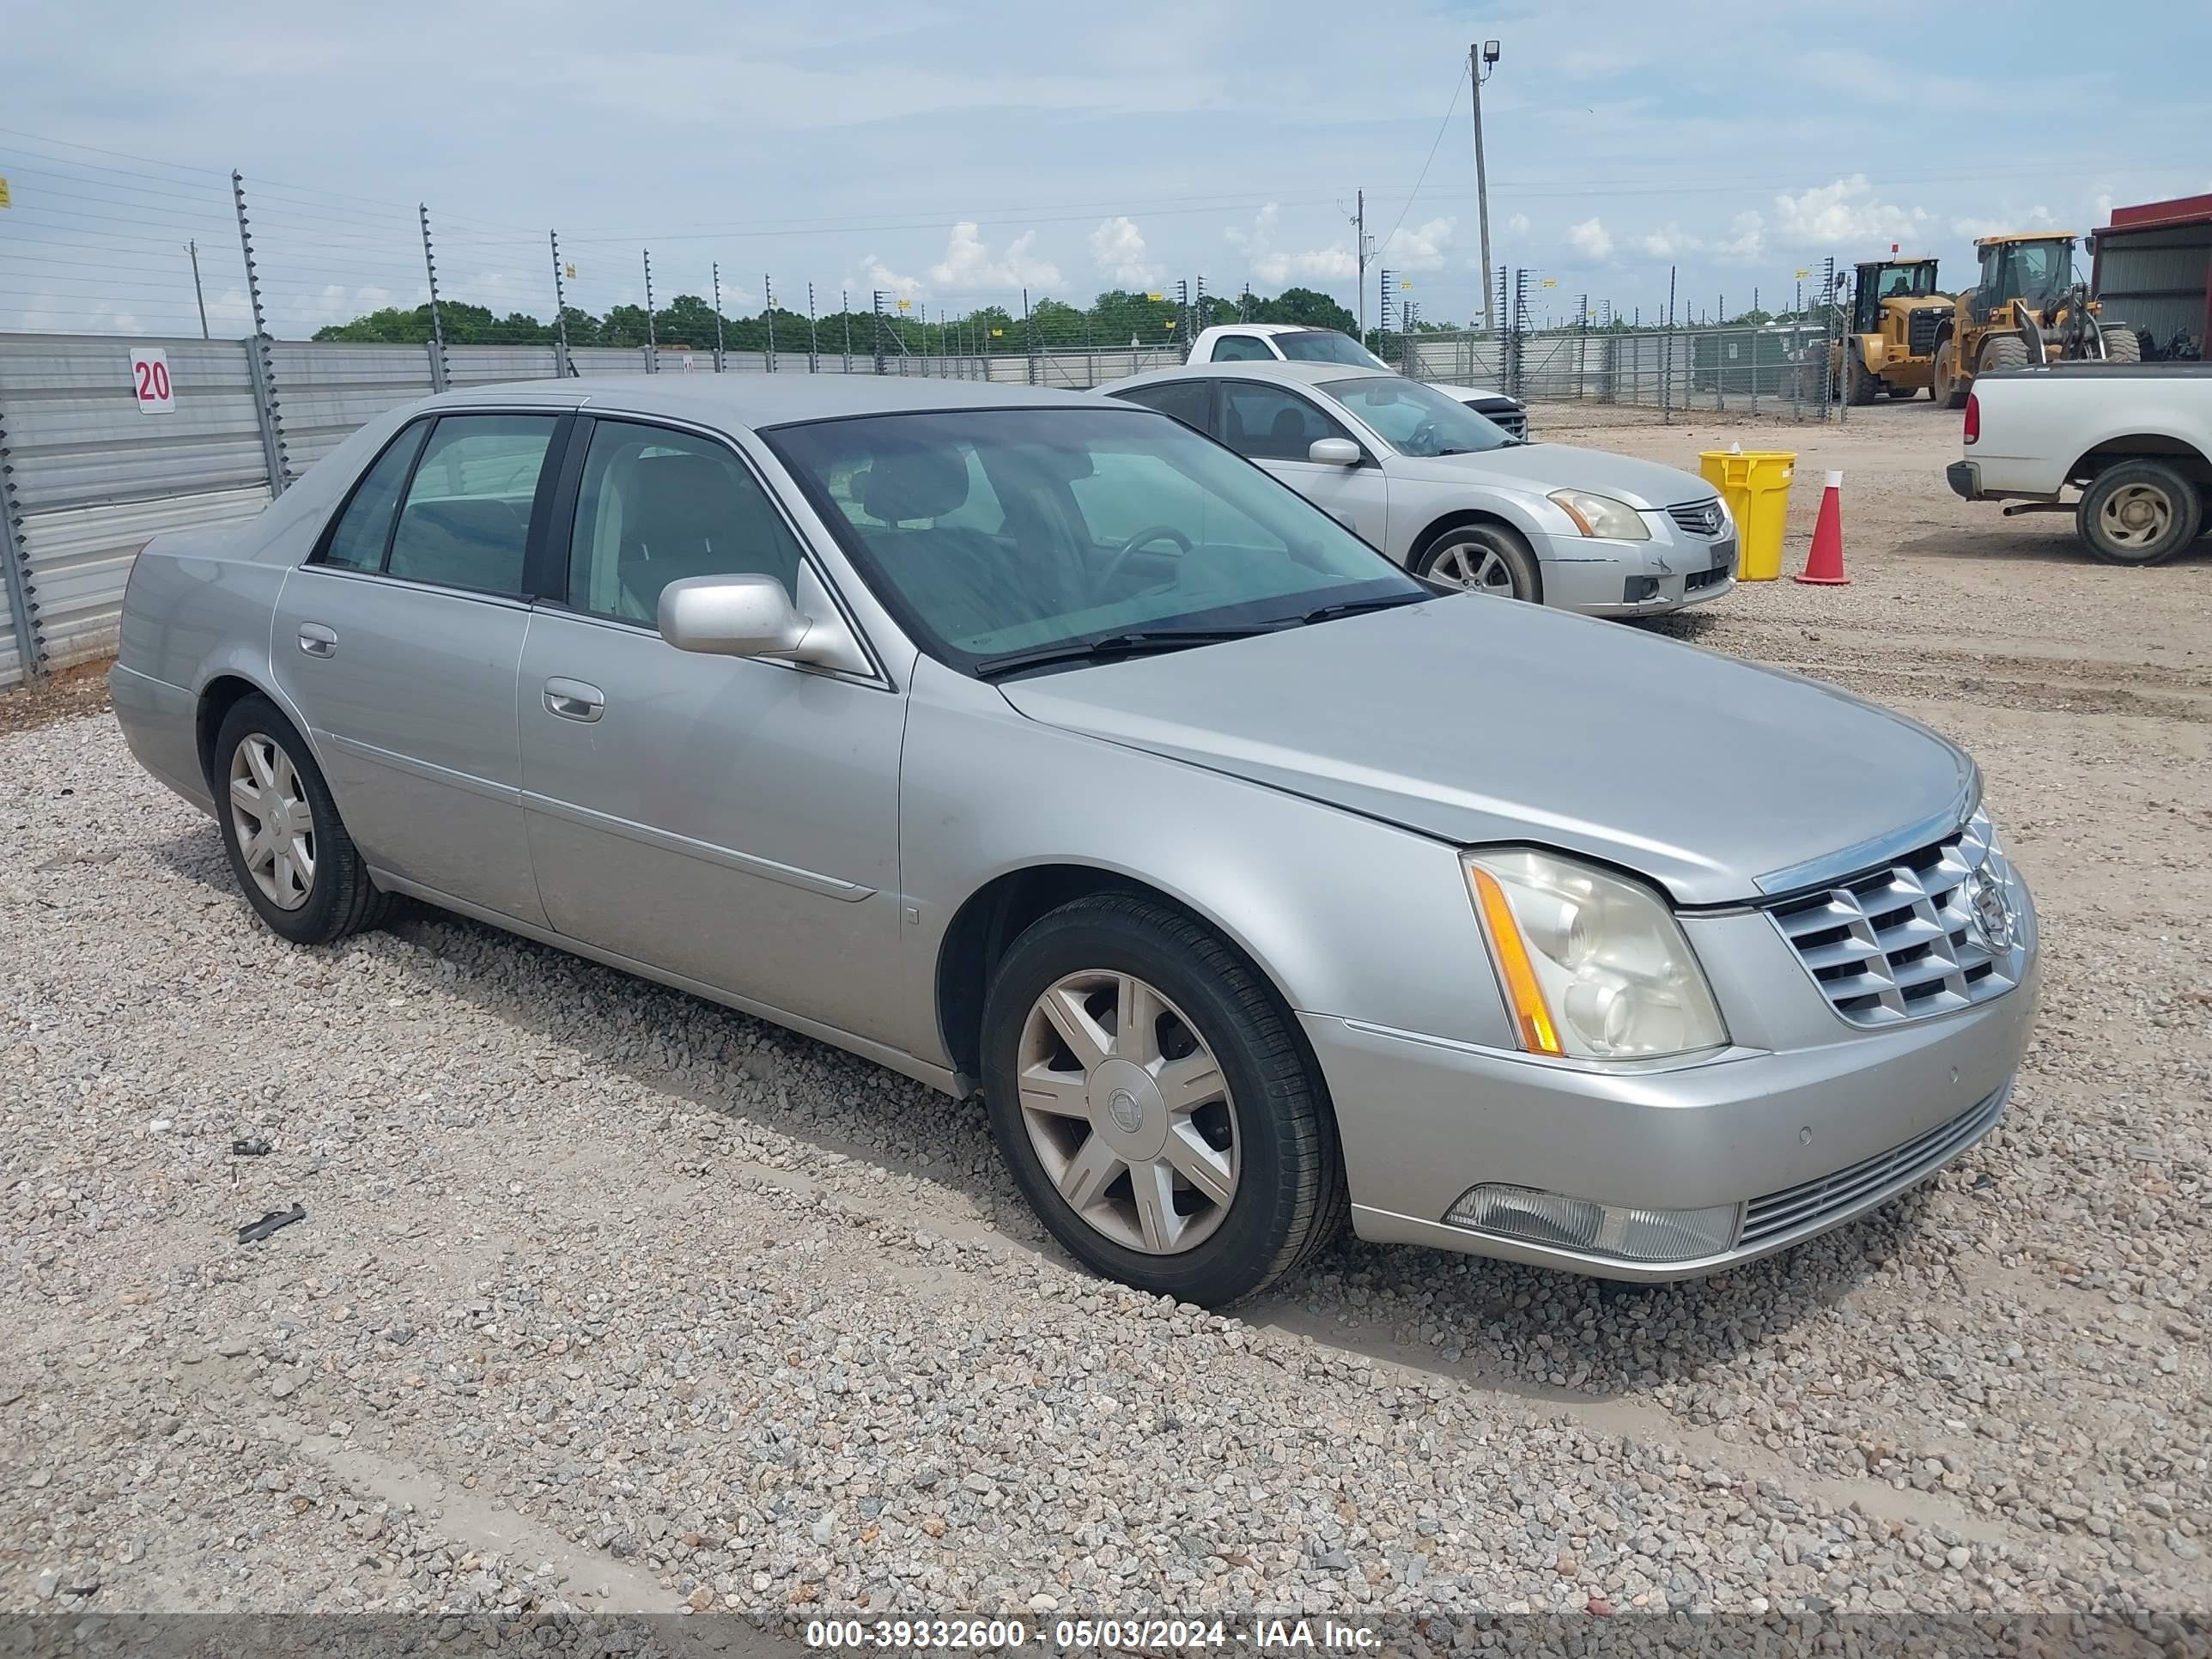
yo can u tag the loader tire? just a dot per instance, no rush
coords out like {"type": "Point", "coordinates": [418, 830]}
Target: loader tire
{"type": "Point", "coordinates": [2003, 351]}
{"type": "Point", "coordinates": [2121, 345]}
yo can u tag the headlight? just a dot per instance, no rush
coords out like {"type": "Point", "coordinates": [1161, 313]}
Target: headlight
{"type": "Point", "coordinates": [1593, 967]}
{"type": "Point", "coordinates": [1602, 515]}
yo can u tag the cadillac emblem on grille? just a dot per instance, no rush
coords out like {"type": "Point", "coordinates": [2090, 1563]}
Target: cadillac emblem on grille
{"type": "Point", "coordinates": [1987, 908]}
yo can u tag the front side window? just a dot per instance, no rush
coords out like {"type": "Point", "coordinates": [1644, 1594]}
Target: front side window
{"type": "Point", "coordinates": [357, 540]}
{"type": "Point", "coordinates": [1271, 424]}
{"type": "Point", "coordinates": [1115, 521]}
{"type": "Point", "coordinates": [1326, 345]}
{"type": "Point", "coordinates": [465, 522]}
{"type": "Point", "coordinates": [1242, 348]}
{"type": "Point", "coordinates": [656, 505]}
{"type": "Point", "coordinates": [1414, 418]}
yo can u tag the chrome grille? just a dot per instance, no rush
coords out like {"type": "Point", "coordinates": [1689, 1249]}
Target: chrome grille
{"type": "Point", "coordinates": [1810, 1202]}
{"type": "Point", "coordinates": [1905, 941]}
{"type": "Point", "coordinates": [1705, 518]}
{"type": "Point", "coordinates": [1514, 422]}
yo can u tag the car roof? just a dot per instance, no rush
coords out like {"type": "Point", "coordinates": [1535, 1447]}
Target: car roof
{"type": "Point", "coordinates": [1272, 328]}
{"type": "Point", "coordinates": [1306, 373]}
{"type": "Point", "coordinates": [755, 400]}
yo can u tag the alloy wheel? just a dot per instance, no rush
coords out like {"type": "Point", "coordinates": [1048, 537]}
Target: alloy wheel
{"type": "Point", "coordinates": [1129, 1112]}
{"type": "Point", "coordinates": [2137, 515]}
{"type": "Point", "coordinates": [1475, 566]}
{"type": "Point", "coordinates": [272, 820]}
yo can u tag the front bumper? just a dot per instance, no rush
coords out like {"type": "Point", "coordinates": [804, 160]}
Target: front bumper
{"type": "Point", "coordinates": [1636, 579]}
{"type": "Point", "coordinates": [1804, 1138]}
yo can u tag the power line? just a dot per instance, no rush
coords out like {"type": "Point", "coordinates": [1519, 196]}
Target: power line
{"type": "Point", "coordinates": [1417, 182]}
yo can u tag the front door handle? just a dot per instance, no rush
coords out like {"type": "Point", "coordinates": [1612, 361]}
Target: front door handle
{"type": "Point", "coordinates": [318, 641]}
{"type": "Point", "coordinates": [574, 700]}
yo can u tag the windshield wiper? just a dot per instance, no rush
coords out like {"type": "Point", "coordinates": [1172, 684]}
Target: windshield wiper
{"type": "Point", "coordinates": [1114, 645]}
{"type": "Point", "coordinates": [1353, 607]}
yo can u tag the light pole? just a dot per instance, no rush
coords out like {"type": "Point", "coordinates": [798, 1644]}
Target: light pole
{"type": "Point", "coordinates": [1481, 60]}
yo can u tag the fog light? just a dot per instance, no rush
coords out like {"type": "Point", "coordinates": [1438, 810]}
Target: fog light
{"type": "Point", "coordinates": [1638, 588]}
{"type": "Point", "coordinates": [1589, 1228]}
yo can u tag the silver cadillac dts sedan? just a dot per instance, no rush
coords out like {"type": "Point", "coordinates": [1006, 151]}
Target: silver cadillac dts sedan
{"type": "Point", "coordinates": [1036, 745]}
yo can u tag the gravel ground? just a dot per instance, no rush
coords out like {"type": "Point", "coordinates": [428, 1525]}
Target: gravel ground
{"type": "Point", "coordinates": [610, 1300]}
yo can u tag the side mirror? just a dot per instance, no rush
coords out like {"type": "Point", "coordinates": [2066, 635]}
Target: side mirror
{"type": "Point", "coordinates": [1334, 451]}
{"type": "Point", "coordinates": [732, 617]}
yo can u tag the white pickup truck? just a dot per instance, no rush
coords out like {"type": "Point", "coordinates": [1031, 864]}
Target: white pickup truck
{"type": "Point", "coordinates": [2136, 438]}
{"type": "Point", "coordinates": [1244, 343]}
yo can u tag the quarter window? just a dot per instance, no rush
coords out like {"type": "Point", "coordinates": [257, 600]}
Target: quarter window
{"type": "Point", "coordinates": [1269, 424]}
{"type": "Point", "coordinates": [467, 519]}
{"type": "Point", "coordinates": [657, 506]}
{"type": "Point", "coordinates": [357, 541]}
{"type": "Point", "coordinates": [1242, 348]}
{"type": "Point", "coordinates": [1190, 402]}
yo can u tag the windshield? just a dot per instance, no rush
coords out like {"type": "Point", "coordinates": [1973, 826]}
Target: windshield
{"type": "Point", "coordinates": [1414, 418]}
{"type": "Point", "coordinates": [1911, 282]}
{"type": "Point", "coordinates": [1326, 345]}
{"type": "Point", "coordinates": [992, 532]}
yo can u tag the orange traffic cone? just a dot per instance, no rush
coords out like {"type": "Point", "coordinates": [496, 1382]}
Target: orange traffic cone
{"type": "Point", "coordinates": [1825, 565]}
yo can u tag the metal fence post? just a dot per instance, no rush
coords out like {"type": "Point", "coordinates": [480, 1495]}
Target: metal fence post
{"type": "Point", "coordinates": [259, 356]}
{"type": "Point", "coordinates": [718, 317]}
{"type": "Point", "coordinates": [1666, 358]}
{"type": "Point", "coordinates": [879, 330]}
{"type": "Point", "coordinates": [562, 365]}
{"type": "Point", "coordinates": [22, 601]}
{"type": "Point", "coordinates": [768, 306]}
{"type": "Point", "coordinates": [813, 335]}
{"type": "Point", "coordinates": [651, 344]}
{"type": "Point", "coordinates": [844, 310]}
{"type": "Point", "coordinates": [1029, 337]}
{"type": "Point", "coordinates": [438, 379]}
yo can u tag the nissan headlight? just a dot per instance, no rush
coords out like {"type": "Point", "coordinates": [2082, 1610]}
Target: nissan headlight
{"type": "Point", "coordinates": [1593, 966]}
{"type": "Point", "coordinates": [1602, 515]}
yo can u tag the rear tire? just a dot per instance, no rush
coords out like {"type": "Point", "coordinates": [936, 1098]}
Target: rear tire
{"type": "Point", "coordinates": [316, 889]}
{"type": "Point", "coordinates": [1270, 1123]}
{"type": "Point", "coordinates": [1482, 558]}
{"type": "Point", "coordinates": [2001, 351]}
{"type": "Point", "coordinates": [2121, 345]}
{"type": "Point", "coordinates": [2139, 513]}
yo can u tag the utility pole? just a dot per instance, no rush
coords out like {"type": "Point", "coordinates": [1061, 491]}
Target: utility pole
{"type": "Point", "coordinates": [1364, 252]}
{"type": "Point", "coordinates": [1481, 60]}
{"type": "Point", "coordinates": [193, 248]}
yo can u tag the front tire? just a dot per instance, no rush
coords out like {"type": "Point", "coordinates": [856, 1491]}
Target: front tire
{"type": "Point", "coordinates": [2121, 343]}
{"type": "Point", "coordinates": [2138, 512]}
{"type": "Point", "coordinates": [1482, 558]}
{"type": "Point", "coordinates": [2001, 351]}
{"type": "Point", "coordinates": [289, 850]}
{"type": "Point", "coordinates": [1150, 1095]}
{"type": "Point", "coordinates": [1859, 386]}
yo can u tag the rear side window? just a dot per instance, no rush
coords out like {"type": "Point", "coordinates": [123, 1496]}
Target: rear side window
{"type": "Point", "coordinates": [1190, 402]}
{"type": "Point", "coordinates": [467, 519]}
{"type": "Point", "coordinates": [1242, 348]}
{"type": "Point", "coordinates": [357, 542]}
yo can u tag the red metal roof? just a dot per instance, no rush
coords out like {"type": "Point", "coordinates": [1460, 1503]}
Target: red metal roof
{"type": "Point", "coordinates": [2181, 210]}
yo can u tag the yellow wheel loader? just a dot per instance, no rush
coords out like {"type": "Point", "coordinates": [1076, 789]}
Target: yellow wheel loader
{"type": "Point", "coordinates": [2027, 308]}
{"type": "Point", "coordinates": [1896, 312]}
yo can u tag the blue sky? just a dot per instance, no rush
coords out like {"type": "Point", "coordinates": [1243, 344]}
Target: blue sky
{"type": "Point", "coordinates": [953, 154]}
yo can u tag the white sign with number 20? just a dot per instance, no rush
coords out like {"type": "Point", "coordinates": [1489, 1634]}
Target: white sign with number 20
{"type": "Point", "coordinates": [149, 381]}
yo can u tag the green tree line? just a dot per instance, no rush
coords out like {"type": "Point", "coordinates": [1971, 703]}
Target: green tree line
{"type": "Point", "coordinates": [1114, 318]}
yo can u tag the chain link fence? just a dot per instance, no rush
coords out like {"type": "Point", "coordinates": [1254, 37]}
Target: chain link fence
{"type": "Point", "coordinates": [1774, 369]}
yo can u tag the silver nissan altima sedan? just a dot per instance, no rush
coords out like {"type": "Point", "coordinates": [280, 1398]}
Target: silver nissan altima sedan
{"type": "Point", "coordinates": [1035, 745]}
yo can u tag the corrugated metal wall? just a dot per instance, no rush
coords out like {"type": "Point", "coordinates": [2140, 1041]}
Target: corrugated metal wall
{"type": "Point", "coordinates": [91, 477]}
{"type": "Point", "coordinates": [326, 390]}
{"type": "Point", "coordinates": [2156, 279]}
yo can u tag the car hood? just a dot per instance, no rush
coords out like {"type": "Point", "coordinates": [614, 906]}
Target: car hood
{"type": "Point", "coordinates": [1464, 393]}
{"type": "Point", "coordinates": [1476, 719]}
{"type": "Point", "coordinates": [1542, 468]}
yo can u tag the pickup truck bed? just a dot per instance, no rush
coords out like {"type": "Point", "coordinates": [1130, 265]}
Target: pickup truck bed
{"type": "Point", "coordinates": [2135, 438]}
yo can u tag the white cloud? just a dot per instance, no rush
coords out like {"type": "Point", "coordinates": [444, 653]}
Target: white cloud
{"type": "Point", "coordinates": [968, 263]}
{"type": "Point", "coordinates": [1590, 239]}
{"type": "Point", "coordinates": [1670, 242]}
{"type": "Point", "coordinates": [1271, 264]}
{"type": "Point", "coordinates": [1119, 247]}
{"type": "Point", "coordinates": [1748, 241]}
{"type": "Point", "coordinates": [875, 274]}
{"type": "Point", "coordinates": [1844, 212]}
{"type": "Point", "coordinates": [1518, 224]}
{"type": "Point", "coordinates": [2036, 218]}
{"type": "Point", "coordinates": [1422, 249]}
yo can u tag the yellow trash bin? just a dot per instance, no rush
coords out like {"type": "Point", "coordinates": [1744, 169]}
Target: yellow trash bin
{"type": "Point", "coordinates": [1755, 484]}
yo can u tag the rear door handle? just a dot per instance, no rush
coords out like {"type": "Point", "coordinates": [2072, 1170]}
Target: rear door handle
{"type": "Point", "coordinates": [318, 641]}
{"type": "Point", "coordinates": [574, 700]}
